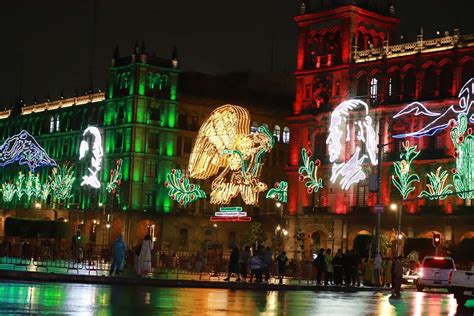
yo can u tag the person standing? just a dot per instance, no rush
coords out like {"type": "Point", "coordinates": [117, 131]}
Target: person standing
{"type": "Point", "coordinates": [256, 267]}
{"type": "Point", "coordinates": [233, 264]}
{"type": "Point", "coordinates": [387, 272]}
{"type": "Point", "coordinates": [243, 262]}
{"type": "Point", "coordinates": [118, 256]}
{"type": "Point", "coordinates": [267, 262]}
{"type": "Point", "coordinates": [145, 255]}
{"type": "Point", "coordinates": [281, 261]}
{"type": "Point", "coordinates": [337, 266]}
{"type": "Point", "coordinates": [320, 263]}
{"type": "Point", "coordinates": [377, 269]}
{"type": "Point", "coordinates": [397, 277]}
{"type": "Point", "coordinates": [329, 274]}
{"type": "Point", "coordinates": [136, 256]}
{"type": "Point", "coordinates": [355, 264]}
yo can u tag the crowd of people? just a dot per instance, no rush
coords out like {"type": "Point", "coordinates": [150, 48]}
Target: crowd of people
{"type": "Point", "coordinates": [346, 269]}
{"type": "Point", "coordinates": [256, 262]}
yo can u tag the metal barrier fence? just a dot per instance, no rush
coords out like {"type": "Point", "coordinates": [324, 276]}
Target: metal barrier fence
{"type": "Point", "coordinates": [168, 264]}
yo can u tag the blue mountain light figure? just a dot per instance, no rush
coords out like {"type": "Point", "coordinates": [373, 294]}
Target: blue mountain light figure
{"type": "Point", "coordinates": [24, 149]}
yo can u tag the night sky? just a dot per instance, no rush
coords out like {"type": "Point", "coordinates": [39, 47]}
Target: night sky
{"type": "Point", "coordinates": [50, 41]}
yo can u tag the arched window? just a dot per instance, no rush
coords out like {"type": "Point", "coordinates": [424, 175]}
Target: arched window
{"type": "Point", "coordinates": [409, 85]}
{"type": "Point", "coordinates": [57, 123]}
{"type": "Point", "coordinates": [467, 71]}
{"type": "Point", "coordinates": [183, 237]}
{"type": "Point", "coordinates": [374, 89]}
{"type": "Point", "coordinates": [51, 124]}
{"type": "Point", "coordinates": [394, 86]}
{"type": "Point", "coordinates": [446, 81]}
{"type": "Point", "coordinates": [286, 135]}
{"type": "Point", "coordinates": [362, 86]}
{"type": "Point", "coordinates": [429, 83]}
{"type": "Point", "coordinates": [276, 133]}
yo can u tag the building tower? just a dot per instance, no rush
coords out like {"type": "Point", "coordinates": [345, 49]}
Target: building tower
{"type": "Point", "coordinates": [328, 34]}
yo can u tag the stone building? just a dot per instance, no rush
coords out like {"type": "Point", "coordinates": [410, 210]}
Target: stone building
{"type": "Point", "coordinates": [148, 123]}
{"type": "Point", "coordinates": [348, 50]}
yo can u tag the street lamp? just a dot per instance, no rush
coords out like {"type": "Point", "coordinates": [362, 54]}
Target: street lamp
{"type": "Point", "coordinates": [394, 207]}
{"type": "Point", "coordinates": [37, 205]}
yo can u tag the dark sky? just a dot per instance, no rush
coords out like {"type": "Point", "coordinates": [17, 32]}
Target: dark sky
{"type": "Point", "coordinates": [52, 38]}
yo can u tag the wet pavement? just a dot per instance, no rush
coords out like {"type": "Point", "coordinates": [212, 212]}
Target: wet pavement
{"type": "Point", "coordinates": [85, 299]}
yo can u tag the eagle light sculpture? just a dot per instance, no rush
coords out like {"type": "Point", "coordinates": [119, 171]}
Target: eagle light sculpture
{"type": "Point", "coordinates": [224, 141]}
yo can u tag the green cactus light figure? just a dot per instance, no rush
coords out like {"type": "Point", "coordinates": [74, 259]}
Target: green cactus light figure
{"type": "Point", "coordinates": [402, 179]}
{"type": "Point", "coordinates": [463, 141]}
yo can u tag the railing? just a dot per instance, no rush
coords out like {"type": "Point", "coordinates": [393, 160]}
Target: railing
{"type": "Point", "coordinates": [420, 46]}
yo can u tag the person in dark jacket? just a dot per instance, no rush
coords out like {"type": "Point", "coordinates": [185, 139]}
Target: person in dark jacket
{"type": "Point", "coordinates": [320, 263]}
{"type": "Point", "coordinates": [281, 260]}
{"type": "Point", "coordinates": [337, 263]}
{"type": "Point", "coordinates": [347, 265]}
{"type": "Point", "coordinates": [397, 277]}
{"type": "Point", "coordinates": [233, 264]}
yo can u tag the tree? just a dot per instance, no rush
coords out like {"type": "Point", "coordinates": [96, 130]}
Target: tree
{"type": "Point", "coordinates": [300, 237]}
{"type": "Point", "coordinates": [256, 236]}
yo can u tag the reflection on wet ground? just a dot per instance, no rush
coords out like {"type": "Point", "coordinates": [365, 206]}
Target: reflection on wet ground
{"type": "Point", "coordinates": [81, 299]}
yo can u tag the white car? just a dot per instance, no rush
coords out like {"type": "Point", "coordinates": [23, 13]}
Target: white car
{"type": "Point", "coordinates": [462, 285]}
{"type": "Point", "coordinates": [434, 272]}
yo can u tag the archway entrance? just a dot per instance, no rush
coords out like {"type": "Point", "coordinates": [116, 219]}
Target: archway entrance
{"type": "Point", "coordinates": [314, 242]}
{"type": "Point", "coordinates": [145, 227]}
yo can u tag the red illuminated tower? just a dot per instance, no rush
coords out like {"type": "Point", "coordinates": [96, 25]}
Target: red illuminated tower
{"type": "Point", "coordinates": [328, 34]}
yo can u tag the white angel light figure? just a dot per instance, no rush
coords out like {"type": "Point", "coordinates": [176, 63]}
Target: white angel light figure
{"type": "Point", "coordinates": [351, 170]}
{"type": "Point", "coordinates": [97, 156]}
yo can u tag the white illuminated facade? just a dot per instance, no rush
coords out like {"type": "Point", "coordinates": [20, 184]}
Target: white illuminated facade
{"type": "Point", "coordinates": [97, 155]}
{"type": "Point", "coordinates": [351, 120]}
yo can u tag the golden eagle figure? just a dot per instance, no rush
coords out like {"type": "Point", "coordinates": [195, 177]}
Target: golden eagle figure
{"type": "Point", "coordinates": [224, 141]}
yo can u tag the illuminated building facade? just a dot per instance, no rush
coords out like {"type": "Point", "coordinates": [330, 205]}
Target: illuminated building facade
{"type": "Point", "coordinates": [147, 130]}
{"type": "Point", "coordinates": [347, 51]}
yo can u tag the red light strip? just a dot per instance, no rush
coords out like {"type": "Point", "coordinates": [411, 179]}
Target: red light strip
{"type": "Point", "coordinates": [231, 219]}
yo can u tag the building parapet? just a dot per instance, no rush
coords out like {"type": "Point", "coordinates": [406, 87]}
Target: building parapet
{"type": "Point", "coordinates": [62, 103]}
{"type": "Point", "coordinates": [411, 48]}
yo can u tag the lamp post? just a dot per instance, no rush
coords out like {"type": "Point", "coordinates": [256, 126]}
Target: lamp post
{"type": "Point", "coordinates": [394, 207]}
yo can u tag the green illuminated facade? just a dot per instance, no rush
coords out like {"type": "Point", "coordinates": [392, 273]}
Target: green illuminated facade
{"type": "Point", "coordinates": [137, 118]}
{"type": "Point", "coordinates": [150, 128]}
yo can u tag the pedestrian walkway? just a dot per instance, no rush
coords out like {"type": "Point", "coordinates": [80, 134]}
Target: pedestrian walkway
{"type": "Point", "coordinates": [97, 273]}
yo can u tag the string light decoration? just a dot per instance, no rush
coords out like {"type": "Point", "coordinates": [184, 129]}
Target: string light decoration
{"type": "Point", "coordinates": [61, 182]}
{"type": "Point", "coordinates": [437, 188]}
{"type": "Point", "coordinates": [438, 121]}
{"type": "Point", "coordinates": [279, 192]}
{"type": "Point", "coordinates": [32, 186]}
{"type": "Point", "coordinates": [24, 149]}
{"type": "Point", "coordinates": [181, 190]}
{"type": "Point", "coordinates": [224, 141]}
{"type": "Point", "coordinates": [308, 172]}
{"type": "Point", "coordinates": [115, 177]}
{"type": "Point", "coordinates": [463, 141]}
{"type": "Point", "coordinates": [8, 192]}
{"type": "Point", "coordinates": [19, 185]}
{"type": "Point", "coordinates": [231, 214]}
{"type": "Point", "coordinates": [402, 179]}
{"type": "Point", "coordinates": [351, 171]}
{"type": "Point", "coordinates": [96, 159]}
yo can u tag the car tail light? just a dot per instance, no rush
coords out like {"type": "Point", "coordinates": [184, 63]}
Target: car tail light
{"type": "Point", "coordinates": [420, 272]}
{"type": "Point", "coordinates": [438, 258]}
{"type": "Point", "coordinates": [450, 276]}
